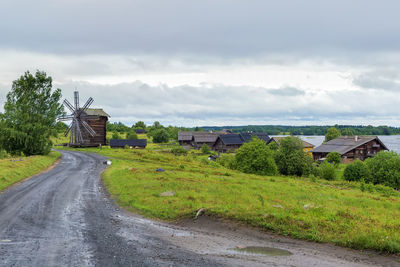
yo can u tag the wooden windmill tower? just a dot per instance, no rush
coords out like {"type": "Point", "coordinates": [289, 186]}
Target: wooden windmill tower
{"type": "Point", "coordinates": [88, 126]}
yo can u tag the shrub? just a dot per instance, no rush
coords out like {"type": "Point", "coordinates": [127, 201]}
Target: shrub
{"type": "Point", "coordinates": [227, 160]}
{"type": "Point", "coordinates": [178, 151]}
{"type": "Point", "coordinates": [334, 157]}
{"type": "Point", "coordinates": [384, 169]}
{"type": "Point", "coordinates": [160, 136]}
{"type": "Point", "coordinates": [255, 157]}
{"type": "Point", "coordinates": [116, 135]}
{"type": "Point", "coordinates": [357, 171]}
{"type": "Point", "coordinates": [291, 159]}
{"type": "Point", "coordinates": [131, 135]}
{"type": "Point", "coordinates": [327, 171]}
{"type": "Point", "coordinates": [332, 133]}
{"type": "Point", "coordinates": [205, 149]}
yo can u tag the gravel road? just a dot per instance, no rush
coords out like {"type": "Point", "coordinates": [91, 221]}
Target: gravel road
{"type": "Point", "coordinates": [63, 218]}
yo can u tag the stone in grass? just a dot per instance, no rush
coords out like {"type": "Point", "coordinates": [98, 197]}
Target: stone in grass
{"type": "Point", "coordinates": [167, 194]}
{"type": "Point", "coordinates": [160, 170]}
{"type": "Point", "coordinates": [278, 206]}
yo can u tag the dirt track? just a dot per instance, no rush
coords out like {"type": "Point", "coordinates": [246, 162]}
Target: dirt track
{"type": "Point", "coordinates": [63, 218]}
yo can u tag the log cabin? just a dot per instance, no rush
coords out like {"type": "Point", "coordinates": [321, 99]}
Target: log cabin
{"type": "Point", "coordinates": [350, 148]}
{"type": "Point", "coordinates": [97, 119]}
{"type": "Point", "coordinates": [228, 143]}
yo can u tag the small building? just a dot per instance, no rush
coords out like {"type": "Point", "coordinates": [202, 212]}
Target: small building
{"type": "Point", "coordinates": [350, 148]}
{"type": "Point", "coordinates": [307, 147]}
{"type": "Point", "coordinates": [132, 143]}
{"type": "Point", "coordinates": [248, 136]}
{"type": "Point", "coordinates": [97, 119]}
{"type": "Point", "coordinates": [186, 139]}
{"type": "Point", "coordinates": [228, 143]}
{"type": "Point", "coordinates": [140, 131]}
{"type": "Point", "coordinates": [201, 138]}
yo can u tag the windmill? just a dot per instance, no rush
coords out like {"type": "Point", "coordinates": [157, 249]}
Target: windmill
{"type": "Point", "coordinates": [80, 131]}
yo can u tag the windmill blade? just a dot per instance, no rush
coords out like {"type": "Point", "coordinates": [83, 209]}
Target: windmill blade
{"type": "Point", "coordinates": [66, 118]}
{"type": "Point", "coordinates": [76, 100]}
{"type": "Point", "coordinates": [69, 129]}
{"type": "Point", "coordinates": [69, 105]}
{"type": "Point", "coordinates": [87, 104]}
{"type": "Point", "coordinates": [88, 128]}
{"type": "Point", "coordinates": [78, 137]}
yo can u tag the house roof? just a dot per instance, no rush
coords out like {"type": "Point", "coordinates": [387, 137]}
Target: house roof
{"type": "Point", "coordinates": [345, 144]}
{"type": "Point", "coordinates": [231, 139]}
{"type": "Point", "coordinates": [185, 136]}
{"type": "Point", "coordinates": [124, 142]}
{"type": "Point", "coordinates": [96, 112]}
{"type": "Point", "coordinates": [205, 137]}
{"type": "Point", "coordinates": [247, 136]}
{"type": "Point", "coordinates": [140, 131]}
{"type": "Point", "coordinates": [279, 138]}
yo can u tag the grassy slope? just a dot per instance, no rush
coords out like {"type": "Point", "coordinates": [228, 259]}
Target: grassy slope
{"type": "Point", "coordinates": [13, 170]}
{"type": "Point", "coordinates": [337, 212]}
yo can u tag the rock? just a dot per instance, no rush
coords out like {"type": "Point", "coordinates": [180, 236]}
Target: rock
{"type": "Point", "coordinates": [278, 206]}
{"type": "Point", "coordinates": [160, 170]}
{"type": "Point", "coordinates": [167, 194]}
{"type": "Point", "coordinates": [307, 206]}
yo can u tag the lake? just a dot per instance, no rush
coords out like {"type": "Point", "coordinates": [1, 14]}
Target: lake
{"type": "Point", "coordinates": [391, 141]}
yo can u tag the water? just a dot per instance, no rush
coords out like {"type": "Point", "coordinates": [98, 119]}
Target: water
{"type": "Point", "coordinates": [264, 251]}
{"type": "Point", "coordinates": [392, 142]}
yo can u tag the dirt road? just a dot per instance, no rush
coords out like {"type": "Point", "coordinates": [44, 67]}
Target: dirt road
{"type": "Point", "coordinates": [63, 218]}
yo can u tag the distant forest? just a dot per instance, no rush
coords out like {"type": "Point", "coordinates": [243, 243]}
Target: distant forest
{"type": "Point", "coordinates": [309, 130]}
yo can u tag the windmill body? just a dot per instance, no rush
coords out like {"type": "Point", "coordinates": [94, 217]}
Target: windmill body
{"type": "Point", "coordinates": [88, 126]}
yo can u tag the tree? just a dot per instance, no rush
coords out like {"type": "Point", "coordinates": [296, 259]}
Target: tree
{"type": "Point", "coordinates": [291, 159]}
{"type": "Point", "coordinates": [116, 135]}
{"type": "Point", "coordinates": [140, 125]}
{"type": "Point", "coordinates": [61, 127]}
{"type": "Point", "coordinates": [131, 135]}
{"type": "Point", "coordinates": [160, 136]}
{"type": "Point", "coordinates": [334, 157]}
{"type": "Point", "coordinates": [347, 132]}
{"type": "Point", "coordinates": [205, 149]}
{"type": "Point", "coordinates": [30, 114]}
{"type": "Point", "coordinates": [255, 157]}
{"type": "Point", "coordinates": [357, 171]}
{"type": "Point", "coordinates": [331, 134]}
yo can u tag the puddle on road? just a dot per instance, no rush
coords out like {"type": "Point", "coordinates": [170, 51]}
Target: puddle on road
{"type": "Point", "coordinates": [263, 250]}
{"type": "Point", "coordinates": [5, 240]}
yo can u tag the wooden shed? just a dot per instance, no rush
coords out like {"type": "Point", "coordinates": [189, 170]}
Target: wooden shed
{"type": "Point", "coordinates": [186, 139]}
{"type": "Point", "coordinates": [97, 119]}
{"type": "Point", "coordinates": [228, 143]}
{"type": "Point", "coordinates": [134, 143]}
{"type": "Point", "coordinates": [201, 138]}
{"type": "Point", "coordinates": [350, 148]}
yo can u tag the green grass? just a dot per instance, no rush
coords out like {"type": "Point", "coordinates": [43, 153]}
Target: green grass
{"type": "Point", "coordinates": [324, 211]}
{"type": "Point", "coordinates": [13, 170]}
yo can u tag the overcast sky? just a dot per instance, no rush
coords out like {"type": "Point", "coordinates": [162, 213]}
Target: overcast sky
{"type": "Point", "coordinates": [213, 62]}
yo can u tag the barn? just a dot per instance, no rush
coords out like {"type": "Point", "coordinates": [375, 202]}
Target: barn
{"type": "Point", "coordinates": [350, 148]}
{"type": "Point", "coordinates": [228, 143]}
{"type": "Point", "coordinates": [201, 138]}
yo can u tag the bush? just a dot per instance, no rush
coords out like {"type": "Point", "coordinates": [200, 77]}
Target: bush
{"type": "Point", "coordinates": [160, 136]}
{"type": "Point", "coordinates": [116, 135]}
{"type": "Point", "coordinates": [291, 159]}
{"type": "Point", "coordinates": [227, 160]}
{"type": "Point", "coordinates": [131, 135]}
{"type": "Point", "coordinates": [327, 171]}
{"type": "Point", "coordinates": [357, 171]}
{"type": "Point", "coordinates": [205, 149]}
{"type": "Point", "coordinates": [384, 169]}
{"type": "Point", "coordinates": [334, 157]}
{"type": "Point", "coordinates": [255, 157]}
{"type": "Point", "coordinates": [178, 151]}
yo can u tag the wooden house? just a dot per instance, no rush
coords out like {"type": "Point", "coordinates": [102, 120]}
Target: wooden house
{"type": "Point", "coordinates": [97, 119]}
{"type": "Point", "coordinates": [350, 148]}
{"type": "Point", "coordinates": [186, 139]}
{"type": "Point", "coordinates": [201, 138]}
{"type": "Point", "coordinates": [248, 136]}
{"type": "Point", "coordinates": [140, 131]}
{"type": "Point", "coordinates": [228, 143]}
{"type": "Point", "coordinates": [307, 147]}
{"type": "Point", "coordinates": [134, 143]}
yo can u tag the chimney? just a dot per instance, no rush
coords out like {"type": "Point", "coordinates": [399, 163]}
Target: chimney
{"type": "Point", "coordinates": [356, 138]}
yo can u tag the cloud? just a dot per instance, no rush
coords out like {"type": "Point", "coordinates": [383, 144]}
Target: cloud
{"type": "Point", "coordinates": [379, 80]}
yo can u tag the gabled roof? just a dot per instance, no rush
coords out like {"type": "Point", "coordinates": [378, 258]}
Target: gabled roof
{"type": "Point", "coordinates": [96, 112]}
{"type": "Point", "coordinates": [344, 144]}
{"type": "Point", "coordinates": [231, 139]}
{"type": "Point", "coordinates": [126, 142]}
{"type": "Point", "coordinates": [185, 136]}
{"type": "Point", "coordinates": [248, 136]}
{"type": "Point", "coordinates": [205, 137]}
{"type": "Point", "coordinates": [279, 138]}
{"type": "Point", "coordinates": [140, 131]}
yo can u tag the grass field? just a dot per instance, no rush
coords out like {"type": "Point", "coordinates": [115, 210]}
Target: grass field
{"type": "Point", "coordinates": [338, 212]}
{"type": "Point", "coordinates": [13, 170]}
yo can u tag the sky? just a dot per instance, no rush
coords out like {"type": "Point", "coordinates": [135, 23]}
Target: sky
{"type": "Point", "coordinates": [212, 62]}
